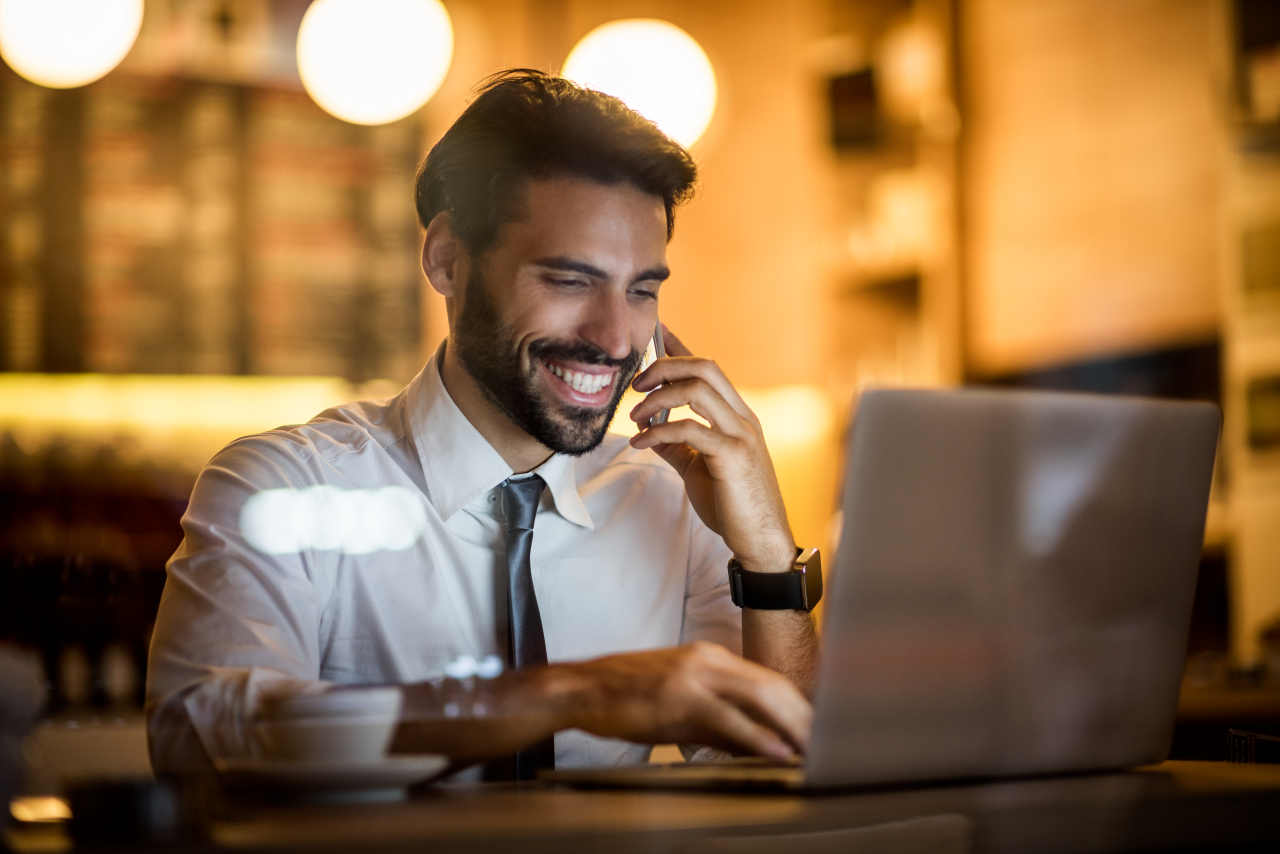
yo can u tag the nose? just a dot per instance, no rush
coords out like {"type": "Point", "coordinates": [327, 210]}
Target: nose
{"type": "Point", "coordinates": [607, 324]}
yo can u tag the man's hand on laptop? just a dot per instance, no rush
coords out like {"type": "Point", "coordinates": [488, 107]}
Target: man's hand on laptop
{"type": "Point", "coordinates": [698, 693]}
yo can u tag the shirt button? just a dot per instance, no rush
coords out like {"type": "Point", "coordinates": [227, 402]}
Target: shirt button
{"type": "Point", "coordinates": [493, 498]}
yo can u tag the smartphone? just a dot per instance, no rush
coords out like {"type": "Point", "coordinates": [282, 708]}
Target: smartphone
{"type": "Point", "coordinates": [653, 353]}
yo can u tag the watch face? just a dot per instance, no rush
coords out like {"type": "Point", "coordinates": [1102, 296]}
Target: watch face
{"type": "Point", "coordinates": [810, 563]}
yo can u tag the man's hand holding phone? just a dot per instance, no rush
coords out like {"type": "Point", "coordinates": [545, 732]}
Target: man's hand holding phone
{"type": "Point", "coordinates": [730, 480]}
{"type": "Point", "coordinates": [726, 467]}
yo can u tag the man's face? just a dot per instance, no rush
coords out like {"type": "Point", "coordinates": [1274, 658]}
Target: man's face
{"type": "Point", "coordinates": [556, 316]}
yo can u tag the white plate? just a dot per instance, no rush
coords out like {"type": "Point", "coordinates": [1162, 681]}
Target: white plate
{"type": "Point", "coordinates": [383, 779]}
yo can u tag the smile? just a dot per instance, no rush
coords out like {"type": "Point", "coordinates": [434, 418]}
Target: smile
{"type": "Point", "coordinates": [580, 381]}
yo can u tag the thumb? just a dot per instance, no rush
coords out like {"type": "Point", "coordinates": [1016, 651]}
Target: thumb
{"type": "Point", "coordinates": [676, 454]}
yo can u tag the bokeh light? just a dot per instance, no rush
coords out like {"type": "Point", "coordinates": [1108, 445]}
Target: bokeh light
{"type": "Point", "coordinates": [466, 666]}
{"type": "Point", "coordinates": [67, 43]}
{"type": "Point", "coordinates": [370, 62]}
{"type": "Point", "coordinates": [41, 808]}
{"type": "Point", "coordinates": [325, 518]}
{"type": "Point", "coordinates": [655, 67]}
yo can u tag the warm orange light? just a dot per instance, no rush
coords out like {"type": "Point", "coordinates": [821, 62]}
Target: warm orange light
{"type": "Point", "coordinates": [66, 43]}
{"type": "Point", "coordinates": [184, 419]}
{"type": "Point", "coordinates": [39, 809]}
{"type": "Point", "coordinates": [370, 62]}
{"type": "Point", "coordinates": [655, 67]}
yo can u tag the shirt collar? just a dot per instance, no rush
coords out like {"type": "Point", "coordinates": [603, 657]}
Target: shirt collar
{"type": "Point", "coordinates": [562, 483]}
{"type": "Point", "coordinates": [459, 465]}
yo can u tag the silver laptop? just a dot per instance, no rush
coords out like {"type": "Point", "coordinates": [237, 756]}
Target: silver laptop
{"type": "Point", "coordinates": [1011, 596]}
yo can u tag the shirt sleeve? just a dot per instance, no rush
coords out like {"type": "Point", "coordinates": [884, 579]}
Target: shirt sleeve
{"type": "Point", "coordinates": [709, 612]}
{"type": "Point", "coordinates": [233, 623]}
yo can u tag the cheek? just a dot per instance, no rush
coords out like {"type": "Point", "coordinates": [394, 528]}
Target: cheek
{"type": "Point", "coordinates": [642, 328]}
{"type": "Point", "coordinates": [551, 316]}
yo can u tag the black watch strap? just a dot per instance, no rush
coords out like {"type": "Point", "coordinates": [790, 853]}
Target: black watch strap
{"type": "Point", "coordinates": [797, 590]}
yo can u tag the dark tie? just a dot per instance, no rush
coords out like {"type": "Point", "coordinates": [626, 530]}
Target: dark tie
{"type": "Point", "coordinates": [526, 644]}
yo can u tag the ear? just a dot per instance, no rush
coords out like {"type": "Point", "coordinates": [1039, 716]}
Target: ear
{"type": "Point", "coordinates": [442, 256]}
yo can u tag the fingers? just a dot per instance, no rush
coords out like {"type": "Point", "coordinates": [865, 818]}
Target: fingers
{"type": "Point", "coordinates": [765, 696]}
{"type": "Point", "coordinates": [676, 369]}
{"type": "Point", "coordinates": [775, 704]}
{"type": "Point", "coordinates": [744, 689]}
{"type": "Point", "coordinates": [680, 457]}
{"type": "Point", "coordinates": [700, 437]}
{"type": "Point", "coordinates": [700, 692]}
{"type": "Point", "coordinates": [720, 722]}
{"type": "Point", "coordinates": [698, 395]}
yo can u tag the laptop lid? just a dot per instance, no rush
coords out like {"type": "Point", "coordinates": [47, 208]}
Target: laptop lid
{"type": "Point", "coordinates": [1013, 587]}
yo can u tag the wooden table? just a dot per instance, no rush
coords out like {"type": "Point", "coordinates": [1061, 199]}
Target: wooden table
{"type": "Point", "coordinates": [1168, 806]}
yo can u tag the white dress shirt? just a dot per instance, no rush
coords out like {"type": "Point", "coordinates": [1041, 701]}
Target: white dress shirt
{"type": "Point", "coordinates": [620, 562]}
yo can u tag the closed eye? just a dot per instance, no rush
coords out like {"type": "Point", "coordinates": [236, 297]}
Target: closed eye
{"type": "Point", "coordinates": [567, 284]}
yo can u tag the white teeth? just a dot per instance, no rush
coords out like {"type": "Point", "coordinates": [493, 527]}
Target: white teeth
{"type": "Point", "coordinates": [579, 381]}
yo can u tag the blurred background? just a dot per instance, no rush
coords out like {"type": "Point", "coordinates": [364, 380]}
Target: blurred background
{"type": "Point", "coordinates": [207, 230]}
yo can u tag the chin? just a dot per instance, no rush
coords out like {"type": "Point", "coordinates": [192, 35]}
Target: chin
{"type": "Point", "coordinates": [568, 429]}
{"type": "Point", "coordinates": [575, 437]}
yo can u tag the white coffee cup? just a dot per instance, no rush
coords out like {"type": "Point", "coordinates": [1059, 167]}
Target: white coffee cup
{"type": "Point", "coordinates": [351, 726]}
{"type": "Point", "coordinates": [332, 705]}
{"type": "Point", "coordinates": [351, 740]}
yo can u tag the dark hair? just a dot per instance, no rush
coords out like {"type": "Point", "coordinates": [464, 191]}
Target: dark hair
{"type": "Point", "coordinates": [527, 124]}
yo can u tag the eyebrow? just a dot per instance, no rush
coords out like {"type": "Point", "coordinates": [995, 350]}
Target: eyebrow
{"type": "Point", "coordinates": [660, 274]}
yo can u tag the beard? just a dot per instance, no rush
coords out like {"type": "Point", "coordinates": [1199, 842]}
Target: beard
{"type": "Point", "coordinates": [488, 351]}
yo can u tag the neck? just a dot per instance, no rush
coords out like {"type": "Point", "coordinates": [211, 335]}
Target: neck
{"type": "Point", "coordinates": [520, 450]}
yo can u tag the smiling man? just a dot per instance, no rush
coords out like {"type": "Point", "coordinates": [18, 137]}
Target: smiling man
{"type": "Point", "coordinates": [596, 569]}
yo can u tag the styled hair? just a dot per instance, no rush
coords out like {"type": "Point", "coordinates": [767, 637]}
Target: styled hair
{"type": "Point", "coordinates": [527, 124]}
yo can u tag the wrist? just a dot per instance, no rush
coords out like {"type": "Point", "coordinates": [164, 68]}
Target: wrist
{"type": "Point", "coordinates": [561, 691]}
{"type": "Point", "coordinates": [799, 589]}
{"type": "Point", "coordinates": [777, 558]}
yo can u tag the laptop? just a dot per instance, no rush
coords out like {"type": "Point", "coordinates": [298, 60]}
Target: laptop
{"type": "Point", "coordinates": [1011, 596]}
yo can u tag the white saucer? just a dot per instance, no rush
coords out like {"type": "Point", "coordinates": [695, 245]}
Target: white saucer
{"type": "Point", "coordinates": [381, 780]}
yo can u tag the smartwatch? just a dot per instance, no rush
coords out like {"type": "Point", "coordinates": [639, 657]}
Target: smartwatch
{"type": "Point", "coordinates": [797, 590]}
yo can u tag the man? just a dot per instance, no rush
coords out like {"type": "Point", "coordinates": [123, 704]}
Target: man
{"type": "Point", "coordinates": [547, 211]}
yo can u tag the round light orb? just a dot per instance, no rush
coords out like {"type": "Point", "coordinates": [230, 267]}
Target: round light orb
{"type": "Point", "coordinates": [655, 67]}
{"type": "Point", "coordinates": [370, 62]}
{"type": "Point", "coordinates": [66, 43]}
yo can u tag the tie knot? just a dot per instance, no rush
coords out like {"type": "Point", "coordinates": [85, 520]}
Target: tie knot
{"type": "Point", "coordinates": [520, 501]}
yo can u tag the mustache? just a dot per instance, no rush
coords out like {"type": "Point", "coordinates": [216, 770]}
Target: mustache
{"type": "Point", "coordinates": [585, 352]}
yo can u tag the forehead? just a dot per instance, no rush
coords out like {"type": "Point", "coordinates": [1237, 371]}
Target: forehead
{"type": "Point", "coordinates": [570, 216]}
